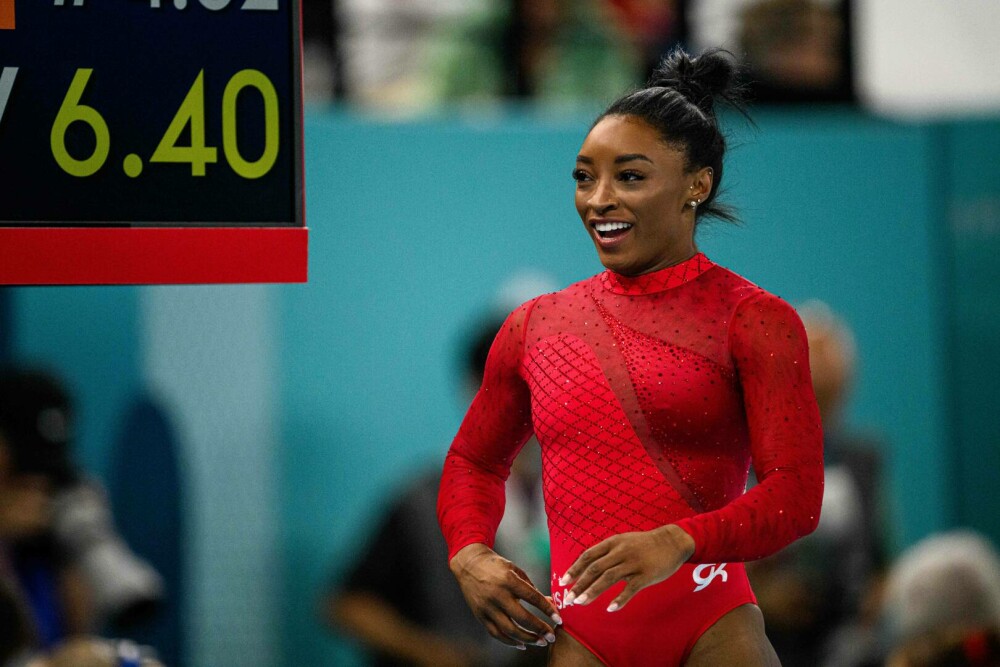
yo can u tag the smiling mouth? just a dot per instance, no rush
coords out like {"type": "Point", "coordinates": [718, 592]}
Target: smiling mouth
{"type": "Point", "coordinates": [610, 230]}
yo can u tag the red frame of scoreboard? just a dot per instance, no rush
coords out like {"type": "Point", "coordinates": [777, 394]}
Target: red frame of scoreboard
{"type": "Point", "coordinates": [152, 255]}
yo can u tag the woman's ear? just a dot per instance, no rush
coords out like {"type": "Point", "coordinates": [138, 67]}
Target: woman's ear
{"type": "Point", "coordinates": [701, 185]}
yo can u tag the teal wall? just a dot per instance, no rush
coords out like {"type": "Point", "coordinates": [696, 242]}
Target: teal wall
{"type": "Point", "coordinates": [973, 216]}
{"type": "Point", "coordinates": [308, 405]}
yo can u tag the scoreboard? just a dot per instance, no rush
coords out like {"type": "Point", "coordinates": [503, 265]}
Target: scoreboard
{"type": "Point", "coordinates": [150, 141]}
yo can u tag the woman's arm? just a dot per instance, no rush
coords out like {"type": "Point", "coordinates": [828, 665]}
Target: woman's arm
{"type": "Point", "coordinates": [498, 423]}
{"type": "Point", "coordinates": [771, 354]}
{"type": "Point", "coordinates": [471, 498]}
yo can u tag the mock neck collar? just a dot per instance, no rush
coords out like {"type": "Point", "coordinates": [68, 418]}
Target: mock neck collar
{"type": "Point", "coordinates": [656, 281]}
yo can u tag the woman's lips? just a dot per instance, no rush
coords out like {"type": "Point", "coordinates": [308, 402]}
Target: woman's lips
{"type": "Point", "coordinates": [610, 233]}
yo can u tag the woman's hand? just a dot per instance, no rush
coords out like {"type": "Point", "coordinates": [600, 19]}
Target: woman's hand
{"type": "Point", "coordinates": [494, 588]}
{"type": "Point", "coordinates": [639, 559]}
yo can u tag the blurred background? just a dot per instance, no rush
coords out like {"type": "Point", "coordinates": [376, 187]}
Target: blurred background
{"type": "Point", "coordinates": [249, 441]}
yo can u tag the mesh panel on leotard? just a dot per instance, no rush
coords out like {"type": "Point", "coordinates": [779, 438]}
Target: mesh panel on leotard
{"type": "Point", "coordinates": [648, 396]}
{"type": "Point", "coordinates": [599, 480]}
{"type": "Point", "coordinates": [661, 370]}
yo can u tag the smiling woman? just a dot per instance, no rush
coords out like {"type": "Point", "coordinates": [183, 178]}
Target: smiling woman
{"type": "Point", "coordinates": [633, 194]}
{"type": "Point", "coordinates": [651, 387]}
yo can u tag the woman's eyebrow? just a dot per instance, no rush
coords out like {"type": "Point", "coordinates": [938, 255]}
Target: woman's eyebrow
{"type": "Point", "coordinates": [628, 157]}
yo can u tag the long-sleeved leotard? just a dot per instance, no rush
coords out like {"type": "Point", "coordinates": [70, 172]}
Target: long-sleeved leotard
{"type": "Point", "coordinates": [649, 396]}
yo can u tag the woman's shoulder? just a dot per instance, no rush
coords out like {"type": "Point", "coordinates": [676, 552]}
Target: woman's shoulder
{"type": "Point", "coordinates": [570, 293]}
{"type": "Point", "coordinates": [731, 284]}
{"type": "Point", "coordinates": [567, 297]}
{"type": "Point", "coordinates": [743, 293]}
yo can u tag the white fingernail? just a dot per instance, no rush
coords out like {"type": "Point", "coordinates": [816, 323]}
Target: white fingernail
{"type": "Point", "coordinates": [520, 647]}
{"type": "Point", "coordinates": [613, 606]}
{"type": "Point", "coordinates": [581, 599]}
{"type": "Point", "coordinates": [557, 619]}
{"type": "Point", "coordinates": [550, 638]}
{"type": "Point", "coordinates": [563, 580]}
{"type": "Point", "coordinates": [568, 600]}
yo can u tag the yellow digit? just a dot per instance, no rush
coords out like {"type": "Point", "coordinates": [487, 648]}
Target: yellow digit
{"type": "Point", "coordinates": [191, 111]}
{"type": "Point", "coordinates": [70, 112]}
{"type": "Point", "coordinates": [263, 164]}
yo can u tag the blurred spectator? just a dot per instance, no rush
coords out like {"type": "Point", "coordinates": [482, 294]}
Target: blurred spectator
{"type": "Point", "coordinates": [399, 598]}
{"type": "Point", "coordinates": [64, 567]}
{"type": "Point", "coordinates": [797, 51]}
{"type": "Point", "coordinates": [322, 76]}
{"type": "Point", "coordinates": [17, 637]}
{"type": "Point", "coordinates": [953, 648]}
{"type": "Point", "coordinates": [89, 652]}
{"type": "Point", "coordinates": [817, 587]}
{"type": "Point", "coordinates": [947, 583]}
{"type": "Point", "coordinates": [655, 27]}
{"type": "Point", "coordinates": [379, 45]}
{"type": "Point", "coordinates": [552, 51]}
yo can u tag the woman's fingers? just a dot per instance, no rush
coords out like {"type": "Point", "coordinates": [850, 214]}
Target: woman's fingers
{"type": "Point", "coordinates": [631, 588]}
{"type": "Point", "coordinates": [583, 561]}
{"type": "Point", "coordinates": [513, 624]}
{"type": "Point", "coordinates": [508, 620]}
{"type": "Point", "coordinates": [640, 558]}
{"type": "Point", "coordinates": [523, 590]}
{"type": "Point", "coordinates": [519, 626]}
{"type": "Point", "coordinates": [597, 570]}
{"type": "Point", "coordinates": [534, 597]}
{"type": "Point", "coordinates": [603, 582]}
{"type": "Point", "coordinates": [498, 634]}
{"type": "Point", "coordinates": [495, 589]}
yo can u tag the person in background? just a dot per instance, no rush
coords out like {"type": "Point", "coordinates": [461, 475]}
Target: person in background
{"type": "Point", "coordinates": [655, 27]}
{"type": "Point", "coordinates": [379, 47]}
{"type": "Point", "coordinates": [322, 52]}
{"type": "Point", "coordinates": [88, 652]}
{"type": "Point", "coordinates": [548, 51]}
{"type": "Point", "coordinates": [400, 601]}
{"type": "Point", "coordinates": [822, 589]}
{"type": "Point", "coordinates": [951, 648]}
{"type": "Point", "coordinates": [17, 637]}
{"type": "Point", "coordinates": [942, 603]}
{"type": "Point", "coordinates": [64, 567]}
{"type": "Point", "coordinates": [34, 463]}
{"type": "Point", "coordinates": [797, 51]}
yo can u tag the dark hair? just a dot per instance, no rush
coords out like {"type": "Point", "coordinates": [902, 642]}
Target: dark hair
{"type": "Point", "coordinates": [36, 415]}
{"type": "Point", "coordinates": [679, 102]}
{"type": "Point", "coordinates": [478, 343]}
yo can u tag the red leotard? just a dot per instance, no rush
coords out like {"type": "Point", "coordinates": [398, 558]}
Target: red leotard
{"type": "Point", "coordinates": [650, 396]}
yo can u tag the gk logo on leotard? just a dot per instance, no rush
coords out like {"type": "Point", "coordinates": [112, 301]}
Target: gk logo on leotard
{"type": "Point", "coordinates": [703, 581]}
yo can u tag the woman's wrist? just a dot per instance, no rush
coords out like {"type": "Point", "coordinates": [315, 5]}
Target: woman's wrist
{"type": "Point", "coordinates": [460, 561]}
{"type": "Point", "coordinates": [679, 539]}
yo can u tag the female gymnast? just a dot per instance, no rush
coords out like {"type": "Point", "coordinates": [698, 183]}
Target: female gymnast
{"type": "Point", "coordinates": [651, 387]}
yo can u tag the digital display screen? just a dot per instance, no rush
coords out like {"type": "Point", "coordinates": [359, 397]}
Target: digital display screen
{"type": "Point", "coordinates": [150, 113]}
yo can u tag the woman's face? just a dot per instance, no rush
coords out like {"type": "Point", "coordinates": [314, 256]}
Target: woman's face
{"type": "Point", "coordinates": [634, 196]}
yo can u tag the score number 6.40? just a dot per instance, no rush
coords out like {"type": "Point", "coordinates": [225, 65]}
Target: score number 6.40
{"type": "Point", "coordinates": [190, 113]}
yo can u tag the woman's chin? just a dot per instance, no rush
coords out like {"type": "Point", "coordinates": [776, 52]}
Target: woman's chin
{"type": "Point", "coordinates": [618, 264]}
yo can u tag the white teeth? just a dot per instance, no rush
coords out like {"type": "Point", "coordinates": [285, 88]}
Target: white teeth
{"type": "Point", "coordinates": [611, 226]}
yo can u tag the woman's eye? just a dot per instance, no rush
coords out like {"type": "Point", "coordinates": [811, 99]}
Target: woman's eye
{"type": "Point", "coordinates": [580, 175]}
{"type": "Point", "coordinates": [630, 176]}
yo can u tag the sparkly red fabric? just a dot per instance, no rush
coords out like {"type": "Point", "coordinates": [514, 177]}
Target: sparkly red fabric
{"type": "Point", "coordinates": [650, 397]}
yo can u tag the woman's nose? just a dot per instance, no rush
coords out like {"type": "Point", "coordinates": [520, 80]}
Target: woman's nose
{"type": "Point", "coordinates": [604, 198]}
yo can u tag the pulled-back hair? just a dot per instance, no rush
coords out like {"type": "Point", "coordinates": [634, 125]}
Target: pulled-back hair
{"type": "Point", "coordinates": [679, 102]}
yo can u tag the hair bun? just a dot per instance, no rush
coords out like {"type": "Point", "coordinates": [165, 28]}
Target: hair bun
{"type": "Point", "coordinates": [700, 79]}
